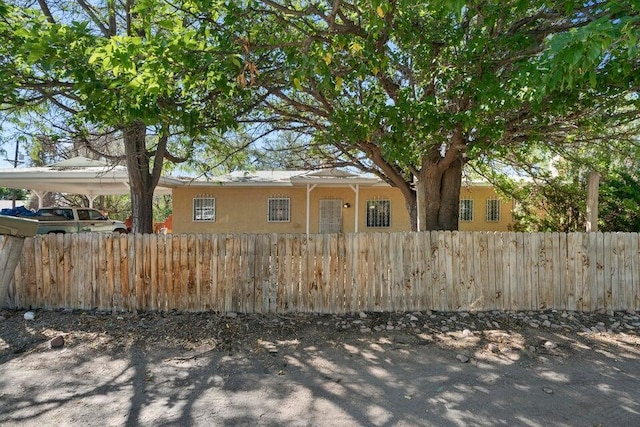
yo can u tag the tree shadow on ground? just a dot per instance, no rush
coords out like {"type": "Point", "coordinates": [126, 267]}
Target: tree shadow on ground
{"type": "Point", "coordinates": [388, 378]}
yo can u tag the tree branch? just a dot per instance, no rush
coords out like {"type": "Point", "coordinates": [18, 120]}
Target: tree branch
{"type": "Point", "coordinates": [44, 7]}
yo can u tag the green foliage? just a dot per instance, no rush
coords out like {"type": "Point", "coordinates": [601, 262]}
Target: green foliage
{"type": "Point", "coordinates": [401, 76]}
{"type": "Point", "coordinates": [126, 70]}
{"type": "Point", "coordinates": [602, 52]}
{"type": "Point", "coordinates": [162, 208]}
{"type": "Point", "coordinates": [619, 208]}
{"type": "Point", "coordinates": [557, 204]}
{"type": "Point", "coordinates": [161, 69]}
{"type": "Point", "coordinates": [553, 198]}
{"type": "Point", "coordinates": [8, 194]}
{"type": "Point", "coordinates": [382, 85]}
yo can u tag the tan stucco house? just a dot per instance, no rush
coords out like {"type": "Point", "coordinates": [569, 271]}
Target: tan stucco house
{"type": "Point", "coordinates": [266, 201]}
{"type": "Point", "coordinates": [325, 201]}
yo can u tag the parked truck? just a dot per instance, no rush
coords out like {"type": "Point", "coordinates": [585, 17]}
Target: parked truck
{"type": "Point", "coordinates": [71, 220]}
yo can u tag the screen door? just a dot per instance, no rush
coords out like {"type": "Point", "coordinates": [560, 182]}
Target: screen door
{"type": "Point", "coordinates": [330, 216]}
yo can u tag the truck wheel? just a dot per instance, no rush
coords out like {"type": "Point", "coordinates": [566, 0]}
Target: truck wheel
{"type": "Point", "coordinates": [120, 231]}
{"type": "Point", "coordinates": [56, 232]}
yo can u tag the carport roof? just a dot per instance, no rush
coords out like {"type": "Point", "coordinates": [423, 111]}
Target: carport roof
{"type": "Point", "coordinates": [78, 175]}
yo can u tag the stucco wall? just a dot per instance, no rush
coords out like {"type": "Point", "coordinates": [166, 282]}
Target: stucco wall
{"type": "Point", "coordinates": [244, 209]}
{"type": "Point", "coordinates": [480, 195]}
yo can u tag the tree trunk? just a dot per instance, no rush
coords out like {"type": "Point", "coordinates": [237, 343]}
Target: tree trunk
{"type": "Point", "coordinates": [412, 208]}
{"type": "Point", "coordinates": [450, 197]}
{"type": "Point", "coordinates": [438, 186]}
{"type": "Point", "coordinates": [142, 212]}
{"type": "Point", "coordinates": [141, 181]}
{"type": "Point", "coordinates": [432, 199]}
{"type": "Point", "coordinates": [429, 182]}
{"type": "Point", "coordinates": [593, 182]}
{"type": "Point", "coordinates": [439, 207]}
{"type": "Point", "coordinates": [435, 202]}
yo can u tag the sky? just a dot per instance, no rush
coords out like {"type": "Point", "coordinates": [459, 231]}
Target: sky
{"type": "Point", "coordinates": [10, 149]}
{"type": "Point", "coordinates": [8, 144]}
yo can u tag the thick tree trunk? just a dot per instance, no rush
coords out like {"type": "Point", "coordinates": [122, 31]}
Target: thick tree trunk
{"type": "Point", "coordinates": [438, 187]}
{"type": "Point", "coordinates": [435, 203]}
{"type": "Point", "coordinates": [593, 182]}
{"type": "Point", "coordinates": [142, 212]}
{"type": "Point", "coordinates": [430, 181]}
{"type": "Point", "coordinates": [432, 199]}
{"type": "Point", "coordinates": [450, 196]}
{"type": "Point", "coordinates": [141, 180]}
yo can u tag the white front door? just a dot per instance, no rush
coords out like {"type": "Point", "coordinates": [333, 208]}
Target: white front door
{"type": "Point", "coordinates": [331, 216]}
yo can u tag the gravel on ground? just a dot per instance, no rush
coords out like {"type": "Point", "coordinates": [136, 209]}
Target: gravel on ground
{"type": "Point", "coordinates": [551, 367]}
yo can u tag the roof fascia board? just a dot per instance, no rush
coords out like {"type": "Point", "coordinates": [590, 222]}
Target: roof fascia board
{"type": "Point", "coordinates": [234, 184]}
{"type": "Point", "coordinates": [335, 181]}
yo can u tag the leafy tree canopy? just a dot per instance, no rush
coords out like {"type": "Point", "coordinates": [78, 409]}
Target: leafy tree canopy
{"type": "Point", "coordinates": [126, 70]}
{"type": "Point", "coordinates": [411, 91]}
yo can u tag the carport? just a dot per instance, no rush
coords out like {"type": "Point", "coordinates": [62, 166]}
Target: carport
{"type": "Point", "coordinates": [78, 175]}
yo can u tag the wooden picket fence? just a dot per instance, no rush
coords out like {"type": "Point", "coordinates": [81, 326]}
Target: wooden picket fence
{"type": "Point", "coordinates": [444, 271]}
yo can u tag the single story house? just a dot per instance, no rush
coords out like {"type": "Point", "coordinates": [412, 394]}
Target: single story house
{"type": "Point", "coordinates": [324, 201]}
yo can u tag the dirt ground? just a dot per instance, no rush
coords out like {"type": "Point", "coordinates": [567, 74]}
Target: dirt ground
{"type": "Point", "coordinates": [370, 369]}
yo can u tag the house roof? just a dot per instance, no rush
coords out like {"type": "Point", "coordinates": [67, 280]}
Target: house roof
{"type": "Point", "coordinates": [285, 178]}
{"type": "Point", "coordinates": [256, 177]}
{"type": "Point", "coordinates": [89, 177]}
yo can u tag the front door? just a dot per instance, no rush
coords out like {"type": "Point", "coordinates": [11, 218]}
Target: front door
{"type": "Point", "coordinates": [331, 216]}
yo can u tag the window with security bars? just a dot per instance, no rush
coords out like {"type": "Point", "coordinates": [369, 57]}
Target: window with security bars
{"type": "Point", "coordinates": [278, 210]}
{"type": "Point", "coordinates": [493, 210]}
{"type": "Point", "coordinates": [466, 210]}
{"type": "Point", "coordinates": [204, 209]}
{"type": "Point", "coordinates": [378, 213]}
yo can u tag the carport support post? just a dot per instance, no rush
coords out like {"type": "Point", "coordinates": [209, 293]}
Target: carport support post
{"type": "Point", "coordinates": [10, 252]}
{"type": "Point", "coordinates": [40, 195]}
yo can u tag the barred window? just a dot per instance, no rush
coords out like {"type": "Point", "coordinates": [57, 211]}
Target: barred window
{"type": "Point", "coordinates": [204, 208]}
{"type": "Point", "coordinates": [378, 213]}
{"type": "Point", "coordinates": [278, 210]}
{"type": "Point", "coordinates": [493, 210]}
{"type": "Point", "coordinates": [466, 210]}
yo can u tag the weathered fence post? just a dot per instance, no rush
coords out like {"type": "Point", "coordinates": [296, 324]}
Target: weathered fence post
{"type": "Point", "coordinates": [12, 234]}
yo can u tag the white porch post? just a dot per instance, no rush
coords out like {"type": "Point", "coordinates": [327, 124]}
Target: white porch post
{"type": "Point", "coordinates": [419, 199]}
{"type": "Point", "coordinates": [309, 189]}
{"type": "Point", "coordinates": [356, 189]}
